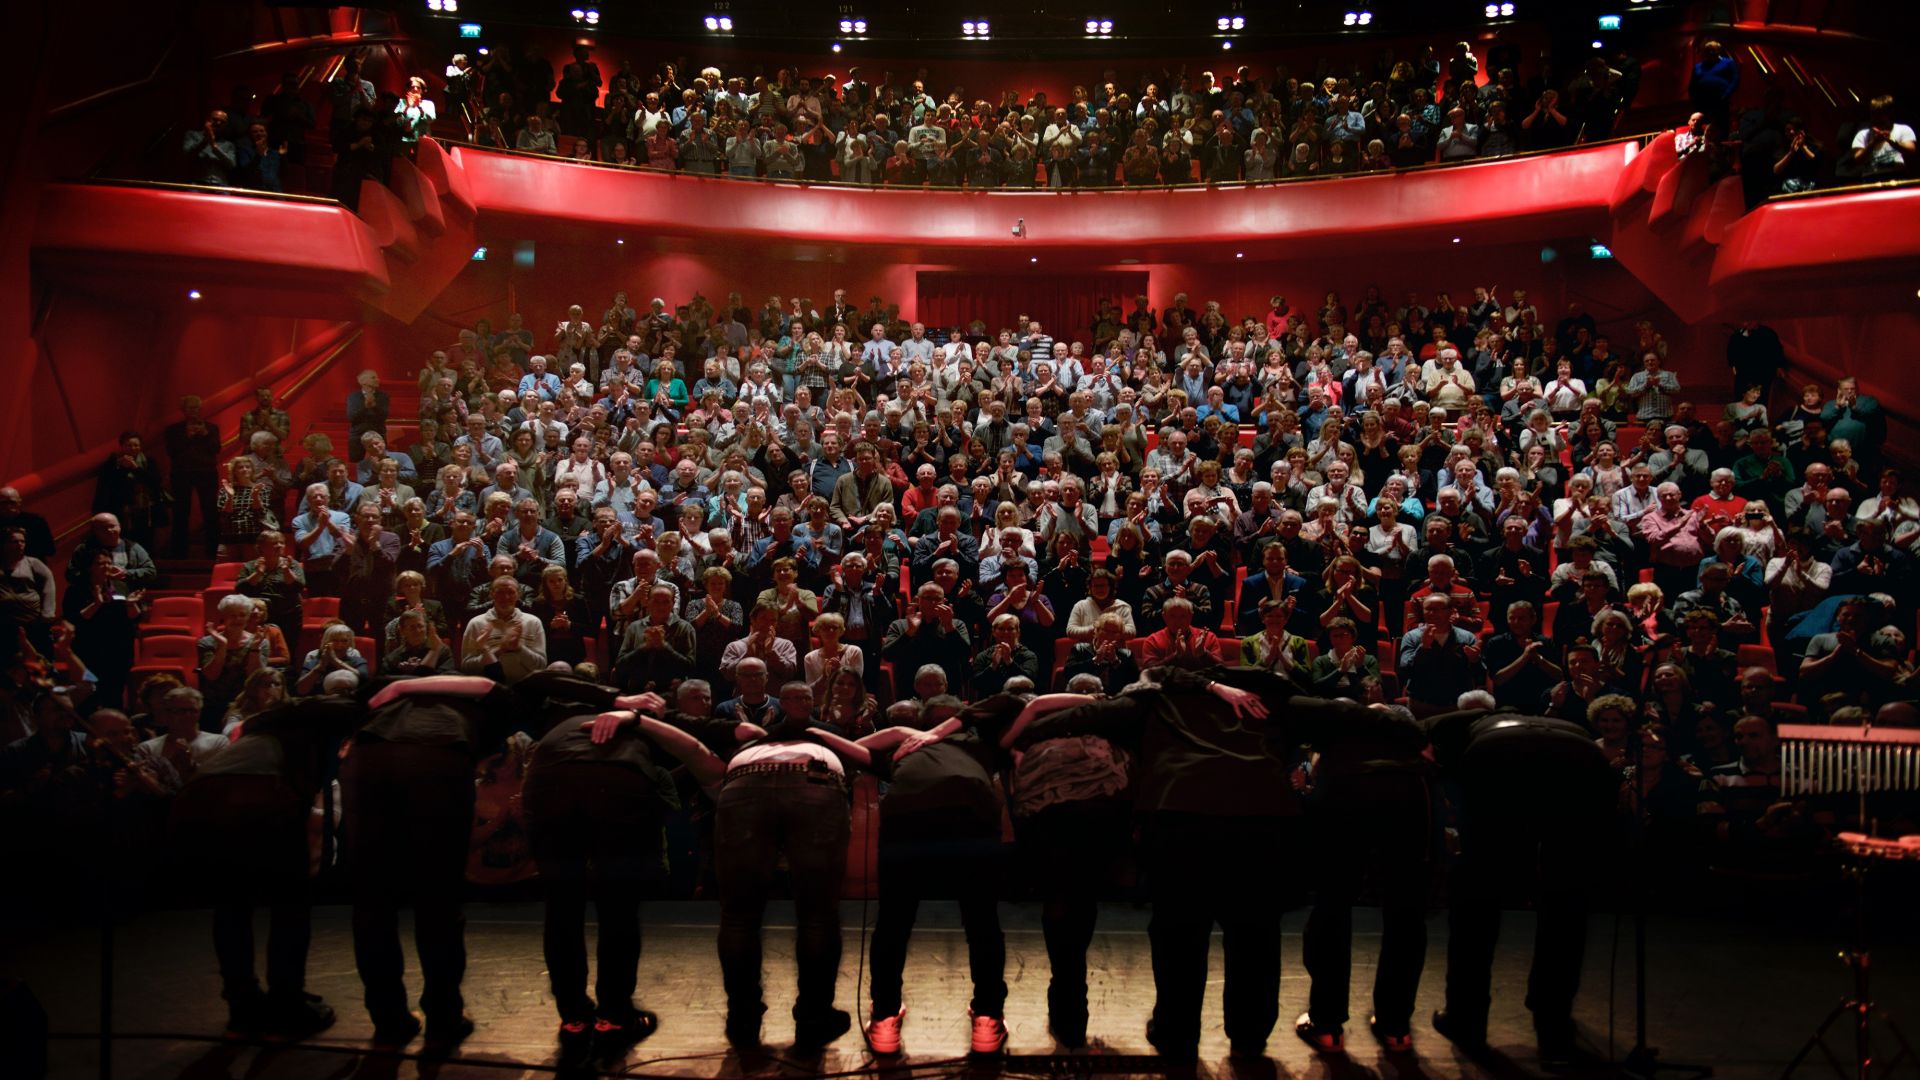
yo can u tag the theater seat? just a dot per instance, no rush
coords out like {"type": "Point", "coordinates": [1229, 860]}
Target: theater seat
{"type": "Point", "coordinates": [178, 612]}
{"type": "Point", "coordinates": [181, 650]}
{"type": "Point", "coordinates": [1758, 656]}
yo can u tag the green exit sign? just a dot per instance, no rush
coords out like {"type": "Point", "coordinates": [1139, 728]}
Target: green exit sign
{"type": "Point", "coordinates": [472, 29]}
{"type": "Point", "coordinates": [1609, 22]}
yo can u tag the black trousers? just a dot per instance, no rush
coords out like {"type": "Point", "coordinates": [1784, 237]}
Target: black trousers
{"type": "Point", "coordinates": [409, 823]}
{"type": "Point", "coordinates": [595, 833]}
{"type": "Point", "coordinates": [1212, 870]}
{"type": "Point", "coordinates": [923, 857]}
{"type": "Point", "coordinates": [1378, 828]}
{"type": "Point", "coordinates": [1074, 852]}
{"type": "Point", "coordinates": [185, 488]}
{"type": "Point", "coordinates": [244, 839]}
{"type": "Point", "coordinates": [760, 818]}
{"type": "Point", "coordinates": [1543, 838]}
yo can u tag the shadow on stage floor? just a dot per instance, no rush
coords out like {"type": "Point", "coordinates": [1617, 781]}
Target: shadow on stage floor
{"type": "Point", "coordinates": [1739, 993]}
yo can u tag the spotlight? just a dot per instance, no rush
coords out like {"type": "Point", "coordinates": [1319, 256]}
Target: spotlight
{"type": "Point", "coordinates": [619, 240]}
{"type": "Point", "coordinates": [579, 15]}
{"type": "Point", "coordinates": [1366, 18]}
{"type": "Point", "coordinates": [1223, 22]}
{"type": "Point", "coordinates": [1035, 258]}
{"type": "Point", "coordinates": [1226, 45]}
{"type": "Point", "coordinates": [193, 294]}
{"type": "Point", "coordinates": [1493, 11]}
{"type": "Point", "coordinates": [1239, 254]}
{"type": "Point", "coordinates": [1093, 26]}
{"type": "Point", "coordinates": [1598, 44]}
{"type": "Point", "coordinates": [835, 46]}
{"type": "Point", "coordinates": [450, 6]}
{"type": "Point", "coordinates": [1352, 18]}
{"type": "Point", "coordinates": [726, 24]}
{"type": "Point", "coordinates": [593, 17]}
{"type": "Point", "coordinates": [435, 5]}
{"type": "Point", "coordinates": [1506, 11]}
{"type": "Point", "coordinates": [846, 26]}
{"type": "Point", "coordinates": [1106, 26]}
{"type": "Point", "coordinates": [713, 23]}
{"type": "Point", "coordinates": [859, 26]}
{"type": "Point", "coordinates": [967, 28]}
{"type": "Point", "coordinates": [484, 51]}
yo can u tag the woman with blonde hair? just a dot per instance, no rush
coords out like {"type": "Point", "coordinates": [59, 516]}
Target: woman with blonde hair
{"type": "Point", "coordinates": [263, 690]}
{"type": "Point", "coordinates": [244, 507]}
{"type": "Point", "coordinates": [1006, 520]}
{"type": "Point", "coordinates": [820, 666]}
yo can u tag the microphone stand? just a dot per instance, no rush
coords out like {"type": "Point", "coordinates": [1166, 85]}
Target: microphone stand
{"type": "Point", "coordinates": [1643, 1061]}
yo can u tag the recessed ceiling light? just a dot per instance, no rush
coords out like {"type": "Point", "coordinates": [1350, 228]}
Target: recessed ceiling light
{"type": "Point", "coordinates": [193, 294]}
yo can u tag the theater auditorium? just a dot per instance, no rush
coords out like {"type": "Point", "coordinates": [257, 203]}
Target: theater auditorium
{"type": "Point", "coordinates": [1339, 539]}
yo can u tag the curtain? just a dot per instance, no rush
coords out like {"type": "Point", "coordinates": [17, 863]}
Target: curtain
{"type": "Point", "coordinates": [1065, 304]}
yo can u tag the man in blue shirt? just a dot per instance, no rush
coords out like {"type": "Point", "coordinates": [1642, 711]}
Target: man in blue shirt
{"type": "Point", "coordinates": [320, 534]}
{"type": "Point", "coordinates": [539, 381]}
{"type": "Point", "coordinates": [374, 448]}
{"type": "Point", "coordinates": [874, 353]}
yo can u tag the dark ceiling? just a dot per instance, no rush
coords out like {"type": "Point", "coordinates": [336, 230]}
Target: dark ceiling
{"type": "Point", "coordinates": [1053, 27]}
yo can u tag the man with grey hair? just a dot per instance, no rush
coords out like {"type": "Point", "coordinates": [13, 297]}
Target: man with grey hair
{"type": "Point", "coordinates": [1178, 583]}
{"type": "Point", "coordinates": [132, 566]}
{"type": "Point", "coordinates": [373, 448]}
{"type": "Point", "coordinates": [1681, 464]}
{"type": "Point", "coordinates": [182, 745]}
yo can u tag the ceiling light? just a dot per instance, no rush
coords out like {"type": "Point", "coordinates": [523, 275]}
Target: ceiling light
{"type": "Point", "coordinates": [1366, 18]}
{"type": "Point", "coordinates": [435, 5]}
{"type": "Point", "coordinates": [966, 28]}
{"type": "Point", "coordinates": [579, 15]}
{"type": "Point", "coordinates": [593, 16]}
{"type": "Point", "coordinates": [1093, 26]}
{"type": "Point", "coordinates": [1506, 11]}
{"type": "Point", "coordinates": [1493, 11]}
{"type": "Point", "coordinates": [1239, 254]}
{"type": "Point", "coordinates": [619, 240]}
{"type": "Point", "coordinates": [1223, 22]}
{"type": "Point", "coordinates": [726, 24]}
{"type": "Point", "coordinates": [1598, 44]}
{"type": "Point", "coordinates": [1352, 19]}
{"type": "Point", "coordinates": [1035, 258]}
{"type": "Point", "coordinates": [835, 46]}
{"type": "Point", "coordinates": [1226, 45]}
{"type": "Point", "coordinates": [713, 23]}
{"type": "Point", "coordinates": [193, 294]}
{"type": "Point", "coordinates": [859, 26]}
{"type": "Point", "coordinates": [846, 26]}
{"type": "Point", "coordinates": [450, 6]}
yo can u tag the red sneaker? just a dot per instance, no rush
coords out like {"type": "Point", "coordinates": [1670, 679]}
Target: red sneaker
{"type": "Point", "coordinates": [989, 1034]}
{"type": "Point", "coordinates": [883, 1035]}
{"type": "Point", "coordinates": [1324, 1040]}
